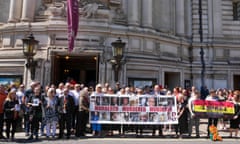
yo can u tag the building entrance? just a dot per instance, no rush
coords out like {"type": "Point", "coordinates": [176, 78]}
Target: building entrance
{"type": "Point", "coordinates": [81, 69]}
{"type": "Point", "coordinates": [236, 82]}
{"type": "Point", "coordinates": [172, 79]}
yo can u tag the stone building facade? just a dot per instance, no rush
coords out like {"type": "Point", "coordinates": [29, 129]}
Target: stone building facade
{"type": "Point", "coordinates": [164, 41]}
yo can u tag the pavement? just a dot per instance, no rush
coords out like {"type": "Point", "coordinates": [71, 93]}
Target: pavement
{"type": "Point", "coordinates": [130, 138]}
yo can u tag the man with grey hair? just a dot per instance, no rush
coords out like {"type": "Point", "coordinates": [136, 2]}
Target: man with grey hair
{"type": "Point", "coordinates": [28, 93]}
{"type": "Point", "coordinates": [65, 110]}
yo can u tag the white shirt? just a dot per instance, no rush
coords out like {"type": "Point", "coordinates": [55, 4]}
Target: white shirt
{"type": "Point", "coordinates": [211, 98]}
{"type": "Point", "coordinates": [20, 95]}
{"type": "Point", "coordinates": [76, 95]}
{"type": "Point", "coordinates": [59, 92]}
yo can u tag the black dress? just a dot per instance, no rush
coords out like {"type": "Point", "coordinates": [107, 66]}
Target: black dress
{"type": "Point", "coordinates": [182, 126]}
{"type": "Point", "coordinates": [234, 123]}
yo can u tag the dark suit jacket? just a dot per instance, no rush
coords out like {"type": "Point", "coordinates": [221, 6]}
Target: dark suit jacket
{"type": "Point", "coordinates": [69, 104]}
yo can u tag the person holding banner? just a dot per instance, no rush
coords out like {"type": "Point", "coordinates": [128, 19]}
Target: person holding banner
{"type": "Point", "coordinates": [117, 87]}
{"type": "Point", "coordinates": [182, 126]}
{"type": "Point", "coordinates": [212, 97]}
{"type": "Point", "coordinates": [170, 103]}
{"type": "Point", "coordinates": [192, 118]}
{"type": "Point", "coordinates": [112, 102]}
{"type": "Point", "coordinates": [125, 102]}
{"type": "Point", "coordinates": [157, 91]}
{"type": "Point", "coordinates": [97, 128]}
{"type": "Point", "coordinates": [235, 121]}
{"type": "Point", "coordinates": [138, 128]}
{"type": "Point", "coordinates": [230, 95]}
{"type": "Point", "coordinates": [116, 102]}
{"type": "Point", "coordinates": [134, 99]}
{"type": "Point", "coordinates": [222, 97]}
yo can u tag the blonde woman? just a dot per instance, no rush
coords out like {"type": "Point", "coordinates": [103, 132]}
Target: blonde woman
{"type": "Point", "coordinates": [96, 128]}
{"type": "Point", "coordinates": [51, 116]}
{"type": "Point", "coordinates": [10, 109]}
{"type": "Point", "coordinates": [182, 126]}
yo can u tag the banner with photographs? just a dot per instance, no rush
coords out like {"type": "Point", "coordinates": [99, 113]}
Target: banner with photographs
{"type": "Point", "coordinates": [133, 109]}
{"type": "Point", "coordinates": [213, 109]}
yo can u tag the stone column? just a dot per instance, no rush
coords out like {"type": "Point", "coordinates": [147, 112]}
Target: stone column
{"type": "Point", "coordinates": [217, 18]}
{"type": "Point", "coordinates": [15, 11]}
{"type": "Point", "coordinates": [180, 17]}
{"type": "Point", "coordinates": [133, 12]}
{"type": "Point", "coordinates": [125, 6]}
{"type": "Point", "coordinates": [147, 13]}
{"type": "Point", "coordinates": [47, 72]}
{"type": "Point", "coordinates": [28, 10]}
{"type": "Point", "coordinates": [188, 18]}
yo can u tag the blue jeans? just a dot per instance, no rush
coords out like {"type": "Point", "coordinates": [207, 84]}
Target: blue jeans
{"type": "Point", "coordinates": [26, 123]}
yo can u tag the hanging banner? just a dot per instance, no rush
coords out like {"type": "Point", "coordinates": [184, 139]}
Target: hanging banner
{"type": "Point", "coordinates": [213, 109]}
{"type": "Point", "coordinates": [72, 22]}
{"type": "Point", "coordinates": [133, 109]}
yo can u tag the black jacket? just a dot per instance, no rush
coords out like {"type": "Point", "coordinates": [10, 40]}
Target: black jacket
{"type": "Point", "coordinates": [7, 106]}
{"type": "Point", "coordinates": [36, 110]}
{"type": "Point", "coordinates": [69, 104]}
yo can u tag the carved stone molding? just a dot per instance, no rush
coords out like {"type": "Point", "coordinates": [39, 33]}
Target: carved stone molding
{"type": "Point", "coordinates": [57, 11]}
{"type": "Point", "coordinates": [47, 1]}
{"type": "Point", "coordinates": [102, 4]}
{"type": "Point", "coordinates": [89, 9]}
{"type": "Point", "coordinates": [94, 8]}
{"type": "Point", "coordinates": [106, 9]}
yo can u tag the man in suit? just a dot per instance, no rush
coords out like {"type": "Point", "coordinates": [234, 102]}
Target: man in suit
{"type": "Point", "coordinates": [65, 109]}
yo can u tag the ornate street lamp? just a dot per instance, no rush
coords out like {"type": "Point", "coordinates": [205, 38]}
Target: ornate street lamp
{"type": "Point", "coordinates": [116, 61]}
{"type": "Point", "coordinates": [30, 46]}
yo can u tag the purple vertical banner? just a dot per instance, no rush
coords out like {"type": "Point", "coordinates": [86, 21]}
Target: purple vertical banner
{"type": "Point", "coordinates": [72, 19]}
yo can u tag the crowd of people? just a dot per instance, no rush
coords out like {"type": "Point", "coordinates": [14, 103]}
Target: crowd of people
{"type": "Point", "coordinates": [41, 111]}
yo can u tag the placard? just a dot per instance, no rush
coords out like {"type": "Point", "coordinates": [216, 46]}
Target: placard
{"type": "Point", "coordinates": [213, 109]}
{"type": "Point", "coordinates": [133, 109]}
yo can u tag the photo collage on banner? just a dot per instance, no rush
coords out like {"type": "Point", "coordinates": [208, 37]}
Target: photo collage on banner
{"type": "Point", "coordinates": [133, 109]}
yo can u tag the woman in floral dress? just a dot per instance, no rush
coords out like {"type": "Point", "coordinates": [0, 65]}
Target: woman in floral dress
{"type": "Point", "coordinates": [51, 115]}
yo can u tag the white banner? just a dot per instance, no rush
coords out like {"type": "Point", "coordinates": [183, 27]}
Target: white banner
{"type": "Point", "coordinates": [133, 109]}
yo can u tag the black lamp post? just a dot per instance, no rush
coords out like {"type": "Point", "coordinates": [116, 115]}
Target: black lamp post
{"type": "Point", "coordinates": [116, 61]}
{"type": "Point", "coordinates": [30, 46]}
{"type": "Point", "coordinates": [201, 47]}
